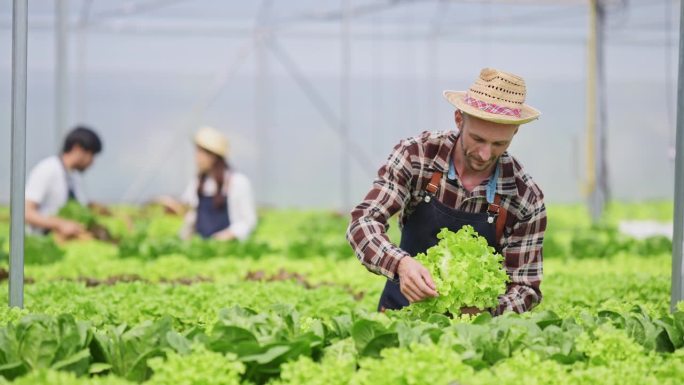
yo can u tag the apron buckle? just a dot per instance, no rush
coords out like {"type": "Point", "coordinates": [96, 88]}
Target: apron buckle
{"type": "Point", "coordinates": [493, 212]}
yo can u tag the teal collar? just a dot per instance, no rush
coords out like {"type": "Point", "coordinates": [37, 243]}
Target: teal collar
{"type": "Point", "coordinates": [491, 185]}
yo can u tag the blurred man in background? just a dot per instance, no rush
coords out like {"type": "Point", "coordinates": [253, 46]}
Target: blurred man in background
{"type": "Point", "coordinates": [56, 180]}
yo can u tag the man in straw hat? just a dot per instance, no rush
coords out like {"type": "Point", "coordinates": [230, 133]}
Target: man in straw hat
{"type": "Point", "coordinates": [450, 179]}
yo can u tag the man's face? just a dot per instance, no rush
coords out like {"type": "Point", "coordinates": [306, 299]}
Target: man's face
{"type": "Point", "coordinates": [84, 159]}
{"type": "Point", "coordinates": [483, 142]}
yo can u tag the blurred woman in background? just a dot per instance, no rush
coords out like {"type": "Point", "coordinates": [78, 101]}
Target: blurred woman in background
{"type": "Point", "coordinates": [220, 199]}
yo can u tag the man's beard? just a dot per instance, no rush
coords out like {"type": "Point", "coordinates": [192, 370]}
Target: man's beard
{"type": "Point", "coordinates": [473, 162]}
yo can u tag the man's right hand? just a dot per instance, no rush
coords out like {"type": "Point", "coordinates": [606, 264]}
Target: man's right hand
{"type": "Point", "coordinates": [69, 229]}
{"type": "Point", "coordinates": [415, 281]}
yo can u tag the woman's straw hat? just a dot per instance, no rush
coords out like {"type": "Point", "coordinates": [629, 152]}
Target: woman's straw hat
{"type": "Point", "coordinates": [495, 96]}
{"type": "Point", "coordinates": [212, 140]}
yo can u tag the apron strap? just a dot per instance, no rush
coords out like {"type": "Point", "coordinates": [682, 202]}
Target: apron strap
{"type": "Point", "coordinates": [433, 186]}
{"type": "Point", "coordinates": [494, 209]}
{"type": "Point", "coordinates": [500, 219]}
{"type": "Point", "coordinates": [71, 191]}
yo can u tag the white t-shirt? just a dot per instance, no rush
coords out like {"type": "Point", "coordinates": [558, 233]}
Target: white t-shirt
{"type": "Point", "coordinates": [47, 186]}
{"type": "Point", "coordinates": [241, 208]}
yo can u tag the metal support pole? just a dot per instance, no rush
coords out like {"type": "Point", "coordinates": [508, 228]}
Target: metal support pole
{"type": "Point", "coordinates": [18, 152]}
{"type": "Point", "coordinates": [345, 63]}
{"type": "Point", "coordinates": [355, 150]}
{"type": "Point", "coordinates": [432, 59]}
{"type": "Point", "coordinates": [596, 116]}
{"type": "Point", "coordinates": [263, 84]}
{"type": "Point", "coordinates": [603, 190]}
{"type": "Point", "coordinates": [80, 108]}
{"type": "Point", "coordinates": [678, 234]}
{"type": "Point", "coordinates": [433, 54]}
{"type": "Point", "coordinates": [376, 131]}
{"type": "Point", "coordinates": [61, 69]}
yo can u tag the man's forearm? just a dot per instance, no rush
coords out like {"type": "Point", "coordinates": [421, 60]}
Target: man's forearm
{"type": "Point", "coordinates": [35, 219]}
{"type": "Point", "coordinates": [367, 230]}
{"type": "Point", "coordinates": [373, 248]}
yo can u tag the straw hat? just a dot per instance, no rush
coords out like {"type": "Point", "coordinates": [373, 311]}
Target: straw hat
{"type": "Point", "coordinates": [212, 140]}
{"type": "Point", "coordinates": [495, 96]}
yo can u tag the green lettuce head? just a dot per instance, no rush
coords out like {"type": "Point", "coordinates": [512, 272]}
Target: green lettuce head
{"type": "Point", "coordinates": [467, 272]}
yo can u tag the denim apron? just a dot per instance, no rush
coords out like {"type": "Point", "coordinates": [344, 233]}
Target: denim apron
{"type": "Point", "coordinates": [429, 217]}
{"type": "Point", "coordinates": [211, 219]}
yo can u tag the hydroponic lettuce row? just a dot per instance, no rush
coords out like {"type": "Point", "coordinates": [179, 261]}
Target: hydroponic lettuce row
{"type": "Point", "coordinates": [279, 345]}
{"type": "Point", "coordinates": [301, 310]}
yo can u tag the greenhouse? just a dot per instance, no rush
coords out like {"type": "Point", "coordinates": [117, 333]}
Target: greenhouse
{"type": "Point", "coordinates": [342, 192]}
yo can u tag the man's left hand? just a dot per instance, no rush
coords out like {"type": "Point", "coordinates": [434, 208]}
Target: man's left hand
{"type": "Point", "coordinates": [100, 209]}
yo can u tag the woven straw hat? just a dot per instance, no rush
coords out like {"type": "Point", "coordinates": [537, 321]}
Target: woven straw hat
{"type": "Point", "coordinates": [212, 140]}
{"type": "Point", "coordinates": [495, 96]}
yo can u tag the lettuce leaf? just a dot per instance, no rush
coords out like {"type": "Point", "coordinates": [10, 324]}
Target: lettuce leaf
{"type": "Point", "coordinates": [467, 272]}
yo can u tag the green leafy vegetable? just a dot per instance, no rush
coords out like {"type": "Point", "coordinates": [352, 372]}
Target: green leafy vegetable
{"type": "Point", "coordinates": [200, 367]}
{"type": "Point", "coordinates": [77, 212]}
{"type": "Point", "coordinates": [43, 342]}
{"type": "Point", "coordinates": [126, 350]}
{"type": "Point", "coordinates": [302, 312]}
{"type": "Point", "coordinates": [41, 250]}
{"type": "Point", "coordinates": [465, 269]}
{"type": "Point", "coordinates": [53, 377]}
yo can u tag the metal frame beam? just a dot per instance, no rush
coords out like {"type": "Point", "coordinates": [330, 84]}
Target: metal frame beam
{"type": "Point", "coordinates": [345, 104]}
{"type": "Point", "coordinates": [597, 164]}
{"type": "Point", "coordinates": [320, 104]}
{"type": "Point", "coordinates": [18, 152]}
{"type": "Point", "coordinates": [263, 82]}
{"type": "Point", "coordinates": [61, 69]}
{"type": "Point", "coordinates": [677, 293]}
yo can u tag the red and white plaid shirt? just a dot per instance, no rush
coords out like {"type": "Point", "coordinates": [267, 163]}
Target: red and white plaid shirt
{"type": "Point", "coordinates": [398, 189]}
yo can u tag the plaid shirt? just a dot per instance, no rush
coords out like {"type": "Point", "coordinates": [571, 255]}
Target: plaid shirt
{"type": "Point", "coordinates": [399, 187]}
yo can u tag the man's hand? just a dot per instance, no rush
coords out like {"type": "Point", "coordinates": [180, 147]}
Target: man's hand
{"type": "Point", "coordinates": [171, 205]}
{"type": "Point", "coordinates": [99, 209]}
{"type": "Point", "coordinates": [415, 281]}
{"type": "Point", "coordinates": [69, 229]}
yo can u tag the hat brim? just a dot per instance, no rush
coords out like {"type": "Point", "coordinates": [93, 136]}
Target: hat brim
{"type": "Point", "coordinates": [203, 144]}
{"type": "Point", "coordinates": [527, 113]}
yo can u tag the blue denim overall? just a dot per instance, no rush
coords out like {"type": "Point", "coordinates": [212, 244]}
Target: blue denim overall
{"type": "Point", "coordinates": [429, 217]}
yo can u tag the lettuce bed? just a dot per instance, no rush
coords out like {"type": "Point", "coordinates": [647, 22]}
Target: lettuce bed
{"type": "Point", "coordinates": [293, 306]}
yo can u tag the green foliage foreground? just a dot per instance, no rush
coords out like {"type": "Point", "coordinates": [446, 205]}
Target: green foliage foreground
{"type": "Point", "coordinates": [293, 306]}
